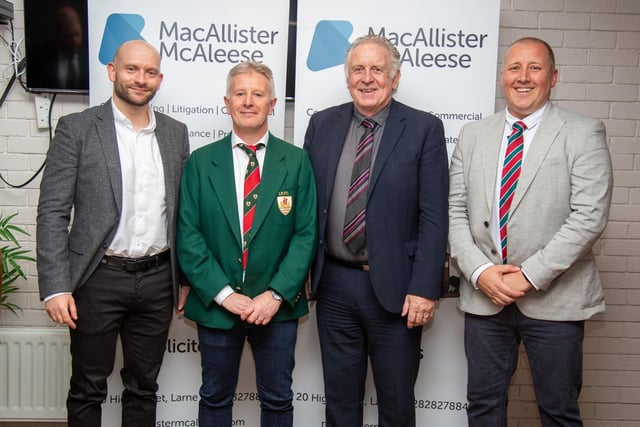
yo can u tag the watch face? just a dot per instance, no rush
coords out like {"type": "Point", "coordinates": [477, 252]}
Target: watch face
{"type": "Point", "coordinates": [276, 296]}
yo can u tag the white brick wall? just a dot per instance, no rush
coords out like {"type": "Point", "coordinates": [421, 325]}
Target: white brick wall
{"type": "Point", "coordinates": [597, 44]}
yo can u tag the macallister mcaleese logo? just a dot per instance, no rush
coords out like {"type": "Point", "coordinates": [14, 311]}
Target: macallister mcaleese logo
{"type": "Point", "coordinates": [214, 42]}
{"type": "Point", "coordinates": [427, 47]}
{"type": "Point", "coordinates": [119, 28]}
{"type": "Point", "coordinates": [329, 44]}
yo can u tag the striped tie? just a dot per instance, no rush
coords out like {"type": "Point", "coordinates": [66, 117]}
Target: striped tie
{"type": "Point", "coordinates": [509, 181]}
{"type": "Point", "coordinates": [251, 186]}
{"type": "Point", "coordinates": [354, 219]}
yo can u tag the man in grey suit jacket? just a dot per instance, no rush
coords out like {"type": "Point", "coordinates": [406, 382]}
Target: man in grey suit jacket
{"type": "Point", "coordinates": [117, 166]}
{"type": "Point", "coordinates": [537, 281]}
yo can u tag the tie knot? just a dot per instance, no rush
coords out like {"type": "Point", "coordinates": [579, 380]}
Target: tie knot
{"type": "Point", "coordinates": [369, 123]}
{"type": "Point", "coordinates": [250, 149]}
{"type": "Point", "coordinates": [519, 126]}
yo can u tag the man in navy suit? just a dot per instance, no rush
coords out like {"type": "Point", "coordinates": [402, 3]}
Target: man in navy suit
{"type": "Point", "coordinates": [376, 280]}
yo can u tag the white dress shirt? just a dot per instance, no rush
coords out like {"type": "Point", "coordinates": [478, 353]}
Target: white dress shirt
{"type": "Point", "coordinates": [142, 229]}
{"type": "Point", "coordinates": [532, 121]}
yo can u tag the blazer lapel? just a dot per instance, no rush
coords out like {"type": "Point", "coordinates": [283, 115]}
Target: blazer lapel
{"type": "Point", "coordinates": [222, 182]}
{"type": "Point", "coordinates": [546, 134]}
{"type": "Point", "coordinates": [168, 155]}
{"type": "Point", "coordinates": [393, 129]}
{"type": "Point", "coordinates": [105, 127]}
{"type": "Point", "coordinates": [490, 140]}
{"type": "Point", "coordinates": [272, 176]}
{"type": "Point", "coordinates": [336, 137]}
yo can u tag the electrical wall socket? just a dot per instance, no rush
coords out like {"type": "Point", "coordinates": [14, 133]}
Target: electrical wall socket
{"type": "Point", "coordinates": [43, 104]}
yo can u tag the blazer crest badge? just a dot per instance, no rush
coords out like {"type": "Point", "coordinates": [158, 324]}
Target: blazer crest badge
{"type": "Point", "coordinates": [285, 203]}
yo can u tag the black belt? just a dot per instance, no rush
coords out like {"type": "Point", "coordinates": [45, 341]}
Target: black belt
{"type": "Point", "coordinates": [363, 266]}
{"type": "Point", "coordinates": [134, 265]}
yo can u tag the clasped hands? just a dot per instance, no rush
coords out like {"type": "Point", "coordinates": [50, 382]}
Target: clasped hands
{"type": "Point", "coordinates": [258, 311]}
{"type": "Point", "coordinates": [503, 284]}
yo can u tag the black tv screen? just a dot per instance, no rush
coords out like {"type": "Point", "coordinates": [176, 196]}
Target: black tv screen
{"type": "Point", "coordinates": [57, 49]}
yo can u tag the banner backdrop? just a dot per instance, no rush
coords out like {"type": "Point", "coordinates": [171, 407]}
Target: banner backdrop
{"type": "Point", "coordinates": [448, 68]}
{"type": "Point", "coordinates": [448, 55]}
{"type": "Point", "coordinates": [199, 42]}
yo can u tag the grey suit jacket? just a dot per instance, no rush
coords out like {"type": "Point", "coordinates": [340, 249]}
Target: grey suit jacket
{"type": "Point", "coordinates": [83, 174]}
{"type": "Point", "coordinates": [559, 210]}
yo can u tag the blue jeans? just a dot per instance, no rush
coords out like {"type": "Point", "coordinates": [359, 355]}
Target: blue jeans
{"type": "Point", "coordinates": [273, 348]}
{"type": "Point", "coordinates": [554, 351]}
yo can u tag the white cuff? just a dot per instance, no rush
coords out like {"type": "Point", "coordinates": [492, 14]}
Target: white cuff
{"type": "Point", "coordinates": [223, 294]}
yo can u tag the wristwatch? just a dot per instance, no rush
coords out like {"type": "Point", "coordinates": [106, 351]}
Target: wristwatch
{"type": "Point", "coordinates": [276, 296]}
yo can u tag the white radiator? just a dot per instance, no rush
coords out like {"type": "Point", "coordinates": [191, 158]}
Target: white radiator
{"type": "Point", "coordinates": [35, 367]}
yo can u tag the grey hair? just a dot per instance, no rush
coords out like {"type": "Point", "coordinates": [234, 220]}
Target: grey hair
{"type": "Point", "coordinates": [249, 66]}
{"type": "Point", "coordinates": [394, 55]}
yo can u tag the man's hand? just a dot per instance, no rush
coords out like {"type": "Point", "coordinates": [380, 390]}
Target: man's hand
{"type": "Point", "coordinates": [237, 304]}
{"type": "Point", "coordinates": [517, 281]}
{"type": "Point", "coordinates": [492, 283]}
{"type": "Point", "coordinates": [264, 308]}
{"type": "Point", "coordinates": [62, 309]}
{"type": "Point", "coordinates": [182, 299]}
{"type": "Point", "coordinates": [418, 310]}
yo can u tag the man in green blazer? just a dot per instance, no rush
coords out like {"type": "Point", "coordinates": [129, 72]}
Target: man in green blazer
{"type": "Point", "coordinates": [246, 239]}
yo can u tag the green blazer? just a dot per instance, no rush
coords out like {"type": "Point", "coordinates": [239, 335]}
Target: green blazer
{"type": "Point", "coordinates": [209, 238]}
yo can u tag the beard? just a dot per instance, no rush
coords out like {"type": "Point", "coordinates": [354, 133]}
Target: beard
{"type": "Point", "coordinates": [122, 91]}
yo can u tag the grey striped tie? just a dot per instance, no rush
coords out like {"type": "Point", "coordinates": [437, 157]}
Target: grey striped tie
{"type": "Point", "coordinates": [354, 220]}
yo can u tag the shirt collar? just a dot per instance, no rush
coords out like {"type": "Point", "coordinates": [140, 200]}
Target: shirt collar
{"type": "Point", "coordinates": [235, 140]}
{"type": "Point", "coordinates": [380, 117]}
{"type": "Point", "coordinates": [531, 120]}
{"type": "Point", "coordinates": [122, 120]}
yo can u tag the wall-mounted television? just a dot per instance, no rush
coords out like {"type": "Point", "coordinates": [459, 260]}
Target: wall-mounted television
{"type": "Point", "coordinates": [57, 50]}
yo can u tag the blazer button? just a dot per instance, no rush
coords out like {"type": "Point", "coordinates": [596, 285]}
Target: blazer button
{"type": "Point", "coordinates": [486, 224]}
{"type": "Point", "coordinates": [238, 288]}
{"type": "Point", "coordinates": [494, 252]}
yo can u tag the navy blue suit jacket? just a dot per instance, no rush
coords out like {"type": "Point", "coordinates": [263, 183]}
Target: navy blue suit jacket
{"type": "Point", "coordinates": [407, 217]}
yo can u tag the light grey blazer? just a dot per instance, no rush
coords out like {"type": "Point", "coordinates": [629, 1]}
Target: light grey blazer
{"type": "Point", "coordinates": [559, 210]}
{"type": "Point", "coordinates": [83, 173]}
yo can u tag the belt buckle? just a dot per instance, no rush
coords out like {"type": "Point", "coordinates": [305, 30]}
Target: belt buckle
{"type": "Point", "coordinates": [130, 265]}
{"type": "Point", "coordinates": [365, 267]}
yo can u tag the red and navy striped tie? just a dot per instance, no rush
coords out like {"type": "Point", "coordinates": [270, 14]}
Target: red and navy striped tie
{"type": "Point", "coordinates": [510, 175]}
{"type": "Point", "coordinates": [354, 220]}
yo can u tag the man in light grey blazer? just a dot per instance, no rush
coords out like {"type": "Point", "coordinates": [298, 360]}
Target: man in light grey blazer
{"type": "Point", "coordinates": [117, 167]}
{"type": "Point", "coordinates": [528, 270]}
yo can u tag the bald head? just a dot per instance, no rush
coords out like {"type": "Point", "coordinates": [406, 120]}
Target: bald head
{"type": "Point", "coordinates": [136, 48]}
{"type": "Point", "coordinates": [135, 73]}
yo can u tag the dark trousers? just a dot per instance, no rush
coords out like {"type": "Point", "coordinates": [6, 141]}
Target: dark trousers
{"type": "Point", "coordinates": [273, 347]}
{"type": "Point", "coordinates": [138, 307]}
{"type": "Point", "coordinates": [554, 351]}
{"type": "Point", "coordinates": [353, 328]}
